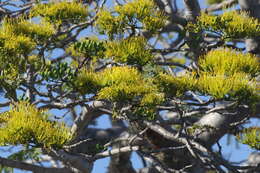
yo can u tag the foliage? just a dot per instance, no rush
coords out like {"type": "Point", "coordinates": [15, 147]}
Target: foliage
{"type": "Point", "coordinates": [223, 73]}
{"type": "Point", "coordinates": [145, 11]}
{"type": "Point", "coordinates": [60, 71]}
{"type": "Point", "coordinates": [175, 86]}
{"type": "Point", "coordinates": [229, 25]}
{"type": "Point", "coordinates": [228, 73]}
{"type": "Point", "coordinates": [148, 66]}
{"type": "Point", "coordinates": [220, 86]}
{"type": "Point", "coordinates": [107, 23]}
{"type": "Point", "coordinates": [38, 32]}
{"type": "Point", "coordinates": [61, 12]}
{"type": "Point", "coordinates": [5, 169]}
{"type": "Point", "coordinates": [229, 62]}
{"type": "Point", "coordinates": [119, 84]}
{"type": "Point", "coordinates": [251, 137]}
{"type": "Point", "coordinates": [88, 48]}
{"type": "Point", "coordinates": [87, 81]}
{"type": "Point", "coordinates": [214, 1]}
{"type": "Point", "coordinates": [131, 51]}
{"type": "Point", "coordinates": [26, 153]}
{"type": "Point", "coordinates": [18, 38]}
{"type": "Point", "coordinates": [25, 124]}
{"type": "Point", "coordinates": [136, 14]}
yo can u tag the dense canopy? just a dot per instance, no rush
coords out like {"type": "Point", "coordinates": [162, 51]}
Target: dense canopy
{"type": "Point", "coordinates": [173, 78]}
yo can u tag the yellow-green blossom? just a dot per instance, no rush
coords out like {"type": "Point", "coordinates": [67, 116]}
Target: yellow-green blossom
{"type": "Point", "coordinates": [229, 25]}
{"type": "Point", "coordinates": [251, 137]}
{"type": "Point", "coordinates": [131, 51]}
{"type": "Point", "coordinates": [59, 12]}
{"type": "Point", "coordinates": [142, 14]}
{"type": "Point", "coordinates": [228, 62]}
{"type": "Point", "coordinates": [25, 124]}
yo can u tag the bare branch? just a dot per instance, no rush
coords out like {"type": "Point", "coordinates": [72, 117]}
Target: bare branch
{"type": "Point", "coordinates": [86, 116]}
{"type": "Point", "coordinates": [30, 167]}
{"type": "Point", "coordinates": [116, 151]}
{"type": "Point", "coordinates": [219, 6]}
{"type": "Point", "coordinates": [192, 9]}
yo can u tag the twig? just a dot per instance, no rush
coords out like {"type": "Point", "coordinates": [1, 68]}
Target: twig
{"type": "Point", "coordinates": [30, 167]}
{"type": "Point", "coordinates": [115, 152]}
{"type": "Point", "coordinates": [219, 6]}
{"type": "Point", "coordinates": [77, 144]}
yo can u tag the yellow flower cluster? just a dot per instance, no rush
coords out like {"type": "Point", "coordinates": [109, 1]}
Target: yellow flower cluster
{"type": "Point", "coordinates": [131, 51]}
{"type": "Point", "coordinates": [226, 72]}
{"type": "Point", "coordinates": [251, 137]}
{"type": "Point", "coordinates": [238, 86]}
{"type": "Point", "coordinates": [229, 25]}
{"type": "Point", "coordinates": [88, 81]}
{"type": "Point", "coordinates": [145, 11]}
{"type": "Point", "coordinates": [59, 12]}
{"type": "Point", "coordinates": [135, 14]}
{"type": "Point", "coordinates": [175, 86]}
{"type": "Point", "coordinates": [25, 124]}
{"type": "Point", "coordinates": [20, 26]}
{"type": "Point", "coordinates": [119, 84]}
{"type": "Point", "coordinates": [228, 62]}
{"type": "Point", "coordinates": [109, 24]}
{"type": "Point", "coordinates": [222, 73]}
{"type": "Point", "coordinates": [18, 38]}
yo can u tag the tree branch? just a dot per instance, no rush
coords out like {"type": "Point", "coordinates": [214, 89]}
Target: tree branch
{"type": "Point", "coordinates": [86, 116]}
{"type": "Point", "coordinates": [30, 167]}
{"type": "Point", "coordinates": [219, 6]}
{"type": "Point", "coordinates": [192, 9]}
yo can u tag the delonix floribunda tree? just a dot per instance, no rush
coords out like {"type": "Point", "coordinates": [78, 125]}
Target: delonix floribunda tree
{"type": "Point", "coordinates": [172, 81]}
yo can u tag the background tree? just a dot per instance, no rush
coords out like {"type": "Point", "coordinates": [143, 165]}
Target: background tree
{"type": "Point", "coordinates": [172, 81]}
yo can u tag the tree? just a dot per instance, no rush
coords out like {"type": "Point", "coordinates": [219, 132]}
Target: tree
{"type": "Point", "coordinates": [172, 81]}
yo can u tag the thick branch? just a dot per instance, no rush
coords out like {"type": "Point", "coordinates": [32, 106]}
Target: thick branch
{"type": "Point", "coordinates": [195, 145]}
{"type": "Point", "coordinates": [30, 167]}
{"type": "Point", "coordinates": [89, 112]}
{"type": "Point", "coordinates": [219, 124]}
{"type": "Point", "coordinates": [116, 151]}
{"type": "Point", "coordinates": [78, 163]}
{"type": "Point", "coordinates": [219, 6]}
{"type": "Point", "coordinates": [192, 9]}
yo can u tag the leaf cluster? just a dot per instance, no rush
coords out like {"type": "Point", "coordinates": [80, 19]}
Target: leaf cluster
{"type": "Point", "coordinates": [251, 137]}
{"type": "Point", "coordinates": [214, 1]}
{"type": "Point", "coordinates": [134, 14]}
{"type": "Point", "coordinates": [131, 51]}
{"type": "Point", "coordinates": [87, 48]}
{"type": "Point", "coordinates": [222, 74]}
{"type": "Point", "coordinates": [58, 72]}
{"type": "Point", "coordinates": [226, 73]}
{"type": "Point", "coordinates": [228, 62]}
{"type": "Point", "coordinates": [229, 25]}
{"type": "Point", "coordinates": [175, 86]}
{"type": "Point", "coordinates": [26, 153]}
{"type": "Point", "coordinates": [38, 32]}
{"type": "Point", "coordinates": [60, 12]}
{"type": "Point", "coordinates": [18, 38]}
{"type": "Point", "coordinates": [25, 124]}
{"type": "Point", "coordinates": [120, 84]}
